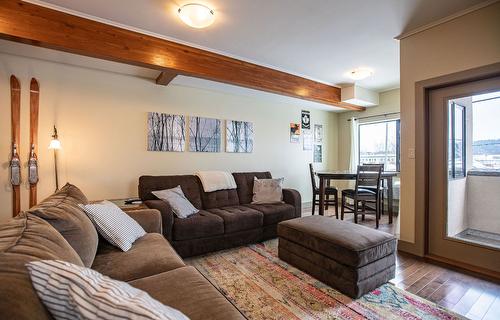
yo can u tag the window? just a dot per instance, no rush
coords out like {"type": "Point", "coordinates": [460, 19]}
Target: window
{"type": "Point", "coordinates": [486, 132]}
{"type": "Point", "coordinates": [379, 143]}
{"type": "Point", "coordinates": [456, 144]}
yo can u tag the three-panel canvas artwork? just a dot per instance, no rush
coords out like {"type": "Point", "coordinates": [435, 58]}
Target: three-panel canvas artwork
{"type": "Point", "coordinates": [168, 132]}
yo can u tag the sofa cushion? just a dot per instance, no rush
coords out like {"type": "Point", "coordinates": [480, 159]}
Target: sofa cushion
{"type": "Point", "coordinates": [274, 213]}
{"type": "Point", "coordinates": [190, 185]}
{"type": "Point", "coordinates": [23, 239]}
{"type": "Point", "coordinates": [61, 210]}
{"type": "Point", "coordinates": [200, 225]}
{"type": "Point", "coordinates": [186, 290]}
{"type": "Point", "coordinates": [149, 255]}
{"type": "Point", "coordinates": [244, 181]}
{"type": "Point", "coordinates": [220, 198]}
{"type": "Point", "coordinates": [239, 218]}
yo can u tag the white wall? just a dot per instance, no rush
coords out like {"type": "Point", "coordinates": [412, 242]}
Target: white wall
{"type": "Point", "coordinates": [483, 203]}
{"type": "Point", "coordinates": [457, 206]}
{"type": "Point", "coordinates": [101, 118]}
{"type": "Point", "coordinates": [467, 42]}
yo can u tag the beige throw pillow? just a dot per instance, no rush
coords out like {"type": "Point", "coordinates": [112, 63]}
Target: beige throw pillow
{"type": "Point", "coordinates": [266, 191]}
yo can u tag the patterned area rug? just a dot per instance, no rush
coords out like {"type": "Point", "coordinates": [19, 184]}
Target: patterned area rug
{"type": "Point", "coordinates": [262, 286]}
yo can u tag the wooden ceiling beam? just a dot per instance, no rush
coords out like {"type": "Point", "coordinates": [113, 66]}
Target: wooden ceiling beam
{"type": "Point", "coordinates": [40, 26]}
{"type": "Point", "coordinates": [165, 78]}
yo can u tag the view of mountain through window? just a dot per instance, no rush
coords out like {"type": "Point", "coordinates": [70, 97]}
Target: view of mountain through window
{"type": "Point", "coordinates": [486, 131]}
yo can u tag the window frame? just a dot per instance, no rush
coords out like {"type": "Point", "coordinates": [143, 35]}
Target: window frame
{"type": "Point", "coordinates": [398, 139]}
{"type": "Point", "coordinates": [452, 173]}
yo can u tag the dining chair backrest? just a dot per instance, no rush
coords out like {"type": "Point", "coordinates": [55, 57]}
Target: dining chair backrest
{"type": "Point", "coordinates": [376, 164]}
{"type": "Point", "coordinates": [313, 176]}
{"type": "Point", "coordinates": [368, 176]}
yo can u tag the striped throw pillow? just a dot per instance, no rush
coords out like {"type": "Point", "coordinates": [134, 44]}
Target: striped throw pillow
{"type": "Point", "coordinates": [113, 224]}
{"type": "Point", "coordinates": [69, 291]}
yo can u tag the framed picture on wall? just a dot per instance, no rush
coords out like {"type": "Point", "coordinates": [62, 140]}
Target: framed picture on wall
{"type": "Point", "coordinates": [294, 132]}
{"type": "Point", "coordinates": [318, 133]}
{"type": "Point", "coordinates": [306, 120]}
{"type": "Point", "coordinates": [239, 136]}
{"type": "Point", "coordinates": [307, 140]}
{"type": "Point", "coordinates": [318, 153]}
{"type": "Point", "coordinates": [204, 134]}
{"type": "Point", "coordinates": [166, 132]}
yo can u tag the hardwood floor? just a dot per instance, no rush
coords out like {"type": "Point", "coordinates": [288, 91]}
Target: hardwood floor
{"type": "Point", "coordinates": [464, 294]}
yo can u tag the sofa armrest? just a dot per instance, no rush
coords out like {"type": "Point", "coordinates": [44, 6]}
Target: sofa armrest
{"type": "Point", "coordinates": [149, 219]}
{"type": "Point", "coordinates": [292, 196]}
{"type": "Point", "coordinates": [167, 215]}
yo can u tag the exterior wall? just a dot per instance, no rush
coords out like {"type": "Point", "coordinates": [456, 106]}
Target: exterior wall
{"type": "Point", "coordinates": [483, 203]}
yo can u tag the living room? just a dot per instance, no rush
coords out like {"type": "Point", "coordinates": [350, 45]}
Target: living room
{"type": "Point", "coordinates": [101, 73]}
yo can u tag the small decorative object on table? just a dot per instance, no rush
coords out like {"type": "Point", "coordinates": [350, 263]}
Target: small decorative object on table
{"type": "Point", "coordinates": [129, 204]}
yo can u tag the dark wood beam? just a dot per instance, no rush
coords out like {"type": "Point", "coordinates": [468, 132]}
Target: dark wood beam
{"type": "Point", "coordinates": [165, 78]}
{"type": "Point", "coordinates": [36, 25]}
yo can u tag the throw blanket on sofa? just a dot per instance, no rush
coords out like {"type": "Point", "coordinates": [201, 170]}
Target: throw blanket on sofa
{"type": "Point", "coordinates": [216, 180]}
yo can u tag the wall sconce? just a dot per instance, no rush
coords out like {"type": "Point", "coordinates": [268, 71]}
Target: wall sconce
{"type": "Point", "coordinates": [55, 145]}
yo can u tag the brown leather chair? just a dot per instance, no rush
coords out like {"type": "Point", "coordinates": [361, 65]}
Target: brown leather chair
{"type": "Point", "coordinates": [329, 191]}
{"type": "Point", "coordinates": [365, 191]}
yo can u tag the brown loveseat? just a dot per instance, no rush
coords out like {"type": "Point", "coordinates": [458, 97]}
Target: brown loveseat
{"type": "Point", "coordinates": [226, 218]}
{"type": "Point", "coordinates": [58, 229]}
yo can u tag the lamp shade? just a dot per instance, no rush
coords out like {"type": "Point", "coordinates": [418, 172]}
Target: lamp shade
{"type": "Point", "coordinates": [196, 15]}
{"type": "Point", "coordinates": [55, 144]}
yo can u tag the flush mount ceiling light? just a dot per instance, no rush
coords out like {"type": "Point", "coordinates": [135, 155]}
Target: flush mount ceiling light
{"type": "Point", "coordinates": [196, 15]}
{"type": "Point", "coordinates": [360, 73]}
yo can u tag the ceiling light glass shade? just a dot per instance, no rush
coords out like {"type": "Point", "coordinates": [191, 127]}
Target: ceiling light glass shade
{"type": "Point", "coordinates": [55, 144]}
{"type": "Point", "coordinates": [196, 15]}
{"type": "Point", "coordinates": [360, 73]}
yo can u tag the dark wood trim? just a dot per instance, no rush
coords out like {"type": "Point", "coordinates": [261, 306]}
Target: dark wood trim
{"type": "Point", "coordinates": [165, 77]}
{"type": "Point", "coordinates": [40, 26]}
{"type": "Point", "coordinates": [422, 142]}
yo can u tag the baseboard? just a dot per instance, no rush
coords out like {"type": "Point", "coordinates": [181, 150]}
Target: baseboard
{"type": "Point", "coordinates": [466, 268]}
{"type": "Point", "coordinates": [411, 248]}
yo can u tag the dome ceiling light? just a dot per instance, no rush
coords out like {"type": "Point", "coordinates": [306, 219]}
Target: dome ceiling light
{"type": "Point", "coordinates": [360, 73]}
{"type": "Point", "coordinates": [196, 15]}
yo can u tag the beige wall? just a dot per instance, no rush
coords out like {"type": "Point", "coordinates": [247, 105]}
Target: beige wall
{"type": "Point", "coordinates": [388, 103]}
{"type": "Point", "coordinates": [101, 117]}
{"type": "Point", "coordinates": [467, 42]}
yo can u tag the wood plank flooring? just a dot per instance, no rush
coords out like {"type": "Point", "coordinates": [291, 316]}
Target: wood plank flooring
{"type": "Point", "coordinates": [467, 295]}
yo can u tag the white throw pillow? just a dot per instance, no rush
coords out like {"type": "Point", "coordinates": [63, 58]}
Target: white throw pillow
{"type": "Point", "coordinates": [69, 291]}
{"type": "Point", "coordinates": [113, 224]}
{"type": "Point", "coordinates": [267, 191]}
{"type": "Point", "coordinates": [177, 200]}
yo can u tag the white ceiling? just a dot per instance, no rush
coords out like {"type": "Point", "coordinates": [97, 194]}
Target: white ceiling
{"type": "Point", "coordinates": [317, 39]}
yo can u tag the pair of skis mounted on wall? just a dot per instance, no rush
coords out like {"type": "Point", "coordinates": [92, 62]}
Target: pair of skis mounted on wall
{"type": "Point", "coordinates": [15, 162]}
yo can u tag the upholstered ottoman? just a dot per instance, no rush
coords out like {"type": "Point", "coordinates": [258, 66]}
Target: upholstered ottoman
{"type": "Point", "coordinates": [351, 258]}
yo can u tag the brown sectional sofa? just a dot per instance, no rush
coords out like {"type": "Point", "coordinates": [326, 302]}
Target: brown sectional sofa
{"type": "Point", "coordinates": [226, 218]}
{"type": "Point", "coordinates": [52, 230]}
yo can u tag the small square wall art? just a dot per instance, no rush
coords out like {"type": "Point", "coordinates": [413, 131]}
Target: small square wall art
{"type": "Point", "coordinates": [318, 153]}
{"type": "Point", "coordinates": [166, 132]}
{"type": "Point", "coordinates": [204, 134]}
{"type": "Point", "coordinates": [239, 136]}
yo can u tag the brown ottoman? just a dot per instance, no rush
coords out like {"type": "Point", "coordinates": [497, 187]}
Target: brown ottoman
{"type": "Point", "coordinates": [351, 258]}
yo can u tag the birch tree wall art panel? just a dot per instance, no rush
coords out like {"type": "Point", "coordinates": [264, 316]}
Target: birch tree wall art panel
{"type": "Point", "coordinates": [166, 132]}
{"type": "Point", "coordinates": [204, 134]}
{"type": "Point", "coordinates": [239, 136]}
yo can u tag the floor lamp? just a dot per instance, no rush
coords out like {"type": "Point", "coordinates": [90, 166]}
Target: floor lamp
{"type": "Point", "coordinates": [55, 145]}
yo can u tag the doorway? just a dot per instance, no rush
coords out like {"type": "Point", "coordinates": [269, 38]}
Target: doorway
{"type": "Point", "coordinates": [463, 224]}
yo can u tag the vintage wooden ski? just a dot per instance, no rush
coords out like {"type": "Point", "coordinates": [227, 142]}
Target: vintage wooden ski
{"type": "Point", "coordinates": [33, 161]}
{"type": "Point", "coordinates": [15, 163]}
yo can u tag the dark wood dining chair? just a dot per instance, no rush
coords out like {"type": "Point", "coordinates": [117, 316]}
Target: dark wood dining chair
{"type": "Point", "coordinates": [382, 189]}
{"type": "Point", "coordinates": [329, 191]}
{"type": "Point", "coordinates": [365, 191]}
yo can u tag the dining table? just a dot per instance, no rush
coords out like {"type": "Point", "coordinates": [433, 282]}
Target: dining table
{"type": "Point", "coordinates": [325, 176]}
